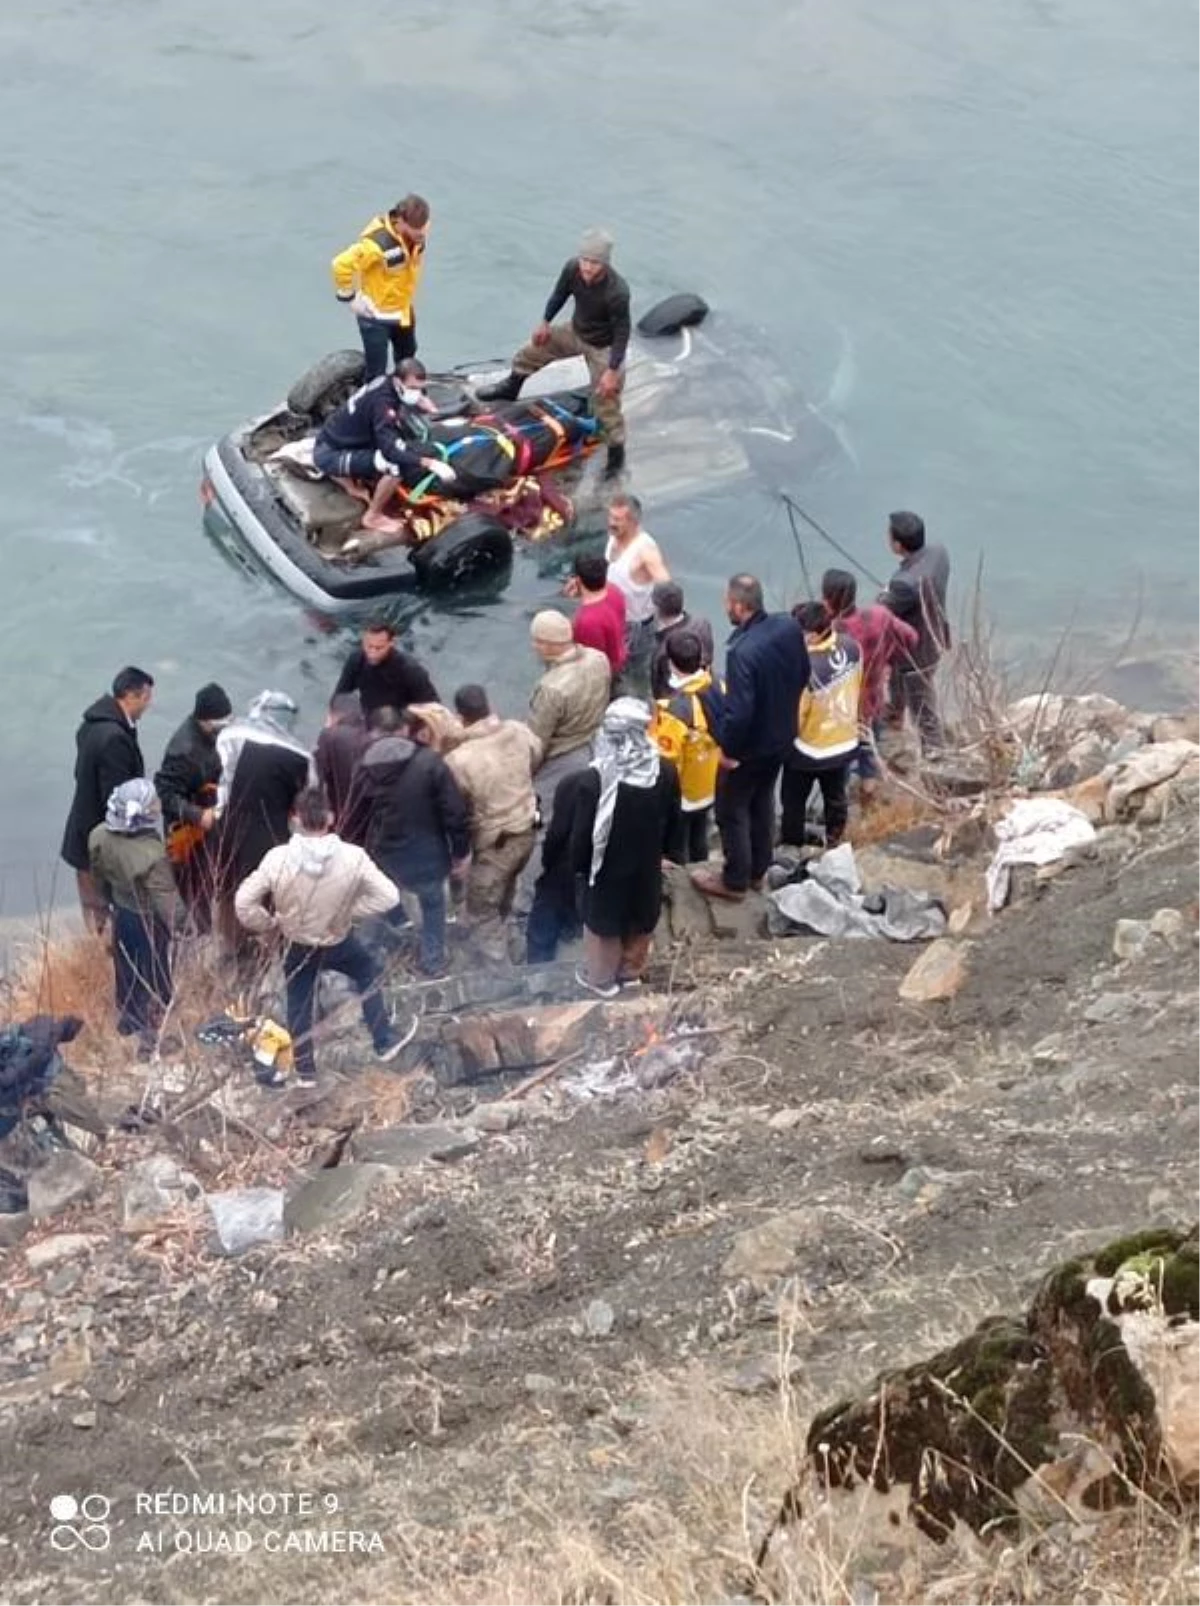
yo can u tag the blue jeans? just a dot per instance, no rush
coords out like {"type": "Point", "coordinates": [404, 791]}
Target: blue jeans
{"type": "Point", "coordinates": [142, 971]}
{"type": "Point", "coordinates": [302, 967]}
{"type": "Point", "coordinates": [431, 895]}
{"type": "Point", "coordinates": [378, 338]}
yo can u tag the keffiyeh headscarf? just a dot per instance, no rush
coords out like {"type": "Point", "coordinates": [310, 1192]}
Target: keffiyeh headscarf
{"type": "Point", "coordinates": [270, 719]}
{"type": "Point", "coordinates": [624, 754]}
{"type": "Point", "coordinates": [132, 807]}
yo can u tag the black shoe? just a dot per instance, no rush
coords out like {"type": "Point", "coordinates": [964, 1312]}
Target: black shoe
{"type": "Point", "coordinates": [506, 389]}
{"type": "Point", "coordinates": [614, 463]}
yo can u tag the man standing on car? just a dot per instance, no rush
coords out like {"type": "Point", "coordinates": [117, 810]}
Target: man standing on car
{"type": "Point", "coordinates": [378, 276]}
{"type": "Point", "coordinates": [598, 332]}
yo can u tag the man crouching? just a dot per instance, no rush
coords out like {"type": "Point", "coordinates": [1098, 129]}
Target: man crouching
{"type": "Point", "coordinates": [376, 438]}
{"type": "Point", "coordinates": [317, 887]}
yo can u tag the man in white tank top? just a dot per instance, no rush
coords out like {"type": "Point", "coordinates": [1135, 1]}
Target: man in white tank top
{"type": "Point", "coordinates": [635, 567]}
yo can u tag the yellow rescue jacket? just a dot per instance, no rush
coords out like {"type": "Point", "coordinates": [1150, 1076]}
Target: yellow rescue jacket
{"type": "Point", "coordinates": [827, 718]}
{"type": "Point", "coordinates": [382, 268]}
{"type": "Point", "coordinates": [683, 737]}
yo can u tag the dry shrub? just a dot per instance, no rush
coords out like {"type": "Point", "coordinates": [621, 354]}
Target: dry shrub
{"type": "Point", "coordinates": [891, 812]}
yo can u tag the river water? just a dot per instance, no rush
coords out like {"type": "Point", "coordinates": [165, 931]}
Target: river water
{"type": "Point", "coordinates": [967, 231]}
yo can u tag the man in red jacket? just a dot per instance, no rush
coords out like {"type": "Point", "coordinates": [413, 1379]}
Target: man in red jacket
{"type": "Point", "coordinates": [884, 641]}
{"type": "Point", "coordinates": [600, 618]}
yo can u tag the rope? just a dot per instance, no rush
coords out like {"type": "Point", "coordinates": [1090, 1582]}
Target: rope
{"type": "Point", "coordinates": [794, 507]}
{"type": "Point", "coordinates": [808, 586]}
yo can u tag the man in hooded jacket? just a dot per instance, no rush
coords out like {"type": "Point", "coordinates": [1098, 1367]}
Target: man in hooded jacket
{"type": "Point", "coordinates": [408, 812]}
{"type": "Point", "coordinates": [310, 892]}
{"type": "Point", "coordinates": [107, 754]}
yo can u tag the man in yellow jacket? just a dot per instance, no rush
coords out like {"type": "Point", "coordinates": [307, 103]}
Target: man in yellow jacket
{"type": "Point", "coordinates": [379, 274]}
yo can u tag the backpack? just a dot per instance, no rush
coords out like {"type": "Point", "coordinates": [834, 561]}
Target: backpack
{"type": "Point", "coordinates": [689, 745]}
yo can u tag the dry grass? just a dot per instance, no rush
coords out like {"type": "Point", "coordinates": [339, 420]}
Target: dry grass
{"type": "Point", "coordinates": [892, 812]}
{"type": "Point", "coordinates": [674, 1505]}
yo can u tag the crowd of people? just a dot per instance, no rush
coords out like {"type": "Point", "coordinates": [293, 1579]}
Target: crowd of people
{"type": "Point", "coordinates": [532, 830]}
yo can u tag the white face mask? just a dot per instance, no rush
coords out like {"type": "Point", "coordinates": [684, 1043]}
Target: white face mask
{"type": "Point", "coordinates": [411, 397]}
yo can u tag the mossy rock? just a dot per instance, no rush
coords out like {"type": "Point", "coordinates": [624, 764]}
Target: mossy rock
{"type": "Point", "coordinates": [966, 1428]}
{"type": "Point", "coordinates": [1102, 1387]}
{"type": "Point", "coordinates": [961, 1429]}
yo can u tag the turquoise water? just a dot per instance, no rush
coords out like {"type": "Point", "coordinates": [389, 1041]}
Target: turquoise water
{"type": "Point", "coordinates": [968, 232]}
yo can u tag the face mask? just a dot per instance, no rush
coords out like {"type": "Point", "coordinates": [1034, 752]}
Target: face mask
{"type": "Point", "coordinates": [411, 397]}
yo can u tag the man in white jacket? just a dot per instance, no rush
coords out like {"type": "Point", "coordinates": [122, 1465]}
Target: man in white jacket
{"type": "Point", "coordinates": [311, 891]}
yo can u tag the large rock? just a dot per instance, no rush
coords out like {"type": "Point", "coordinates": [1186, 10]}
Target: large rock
{"type": "Point", "coordinates": [1047, 719]}
{"type": "Point", "coordinates": [1089, 1396]}
{"type": "Point", "coordinates": [478, 1045]}
{"type": "Point", "coordinates": [332, 1198]}
{"type": "Point", "coordinates": [1142, 787]}
{"type": "Point", "coordinates": [154, 1188]}
{"type": "Point", "coordinates": [66, 1179]}
{"type": "Point", "coordinates": [402, 1148]}
{"type": "Point", "coordinates": [937, 974]}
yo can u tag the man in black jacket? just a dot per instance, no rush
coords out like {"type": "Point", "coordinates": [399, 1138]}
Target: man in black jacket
{"type": "Point", "coordinates": [766, 670]}
{"type": "Point", "coordinates": [383, 675]}
{"type": "Point", "coordinates": [406, 809]}
{"type": "Point", "coordinates": [186, 784]}
{"type": "Point", "coordinates": [106, 755]}
{"type": "Point", "coordinates": [598, 332]}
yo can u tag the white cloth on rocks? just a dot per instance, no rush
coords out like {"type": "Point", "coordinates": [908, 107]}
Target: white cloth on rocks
{"type": "Point", "coordinates": [830, 903]}
{"type": "Point", "coordinates": [1036, 830]}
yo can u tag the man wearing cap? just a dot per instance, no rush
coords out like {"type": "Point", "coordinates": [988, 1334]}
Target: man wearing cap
{"type": "Point", "coordinates": [565, 712]}
{"type": "Point", "coordinates": [186, 784]}
{"type": "Point", "coordinates": [598, 332]}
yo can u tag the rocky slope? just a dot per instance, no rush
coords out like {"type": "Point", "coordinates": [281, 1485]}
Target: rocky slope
{"type": "Point", "coordinates": [567, 1348]}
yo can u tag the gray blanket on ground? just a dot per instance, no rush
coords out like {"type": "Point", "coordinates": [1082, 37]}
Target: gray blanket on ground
{"type": "Point", "coordinates": [830, 903]}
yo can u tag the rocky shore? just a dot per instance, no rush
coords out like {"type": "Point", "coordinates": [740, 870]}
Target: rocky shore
{"type": "Point", "coordinates": [591, 1302]}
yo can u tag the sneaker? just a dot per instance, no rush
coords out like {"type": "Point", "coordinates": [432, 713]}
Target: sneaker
{"type": "Point", "coordinates": [613, 990]}
{"type": "Point", "coordinates": [397, 1039]}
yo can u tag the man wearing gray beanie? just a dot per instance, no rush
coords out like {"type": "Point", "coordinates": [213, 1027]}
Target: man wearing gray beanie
{"type": "Point", "coordinates": [598, 332]}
